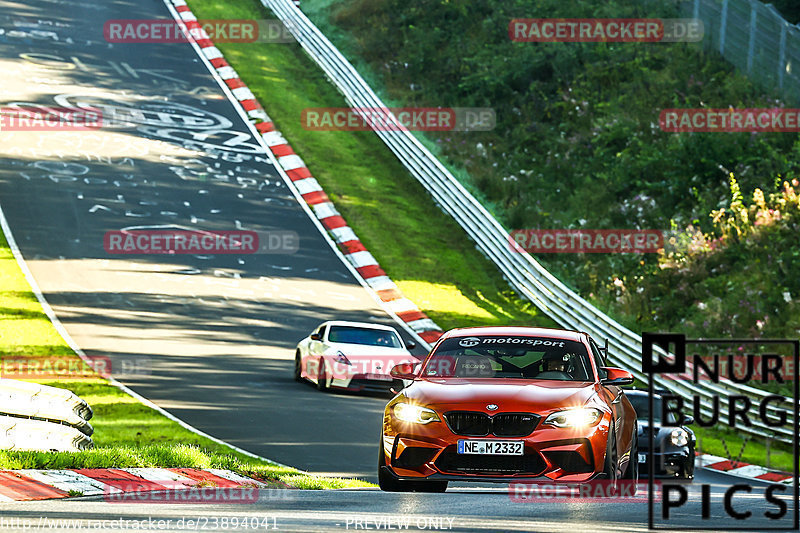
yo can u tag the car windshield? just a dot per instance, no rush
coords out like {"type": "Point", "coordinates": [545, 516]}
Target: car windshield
{"type": "Point", "coordinates": [366, 336]}
{"type": "Point", "coordinates": [504, 357]}
{"type": "Point", "coordinates": [641, 404]}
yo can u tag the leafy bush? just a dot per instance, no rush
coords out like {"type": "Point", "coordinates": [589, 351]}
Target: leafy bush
{"type": "Point", "coordinates": [738, 279]}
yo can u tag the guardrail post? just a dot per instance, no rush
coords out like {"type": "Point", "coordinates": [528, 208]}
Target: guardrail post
{"type": "Point", "coordinates": [782, 54]}
{"type": "Point", "coordinates": [751, 46]}
{"type": "Point", "coordinates": [723, 26]}
{"type": "Point", "coordinates": [769, 450]}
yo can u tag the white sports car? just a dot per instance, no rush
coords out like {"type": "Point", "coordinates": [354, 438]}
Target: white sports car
{"type": "Point", "coordinates": [351, 355]}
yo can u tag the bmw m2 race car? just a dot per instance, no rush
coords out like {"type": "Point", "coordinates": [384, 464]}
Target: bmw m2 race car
{"type": "Point", "coordinates": [508, 404]}
{"type": "Point", "coordinates": [351, 355]}
{"type": "Point", "coordinates": [673, 441]}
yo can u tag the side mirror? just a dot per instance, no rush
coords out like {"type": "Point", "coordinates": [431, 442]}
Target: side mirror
{"type": "Point", "coordinates": [411, 345]}
{"type": "Point", "coordinates": [403, 371]}
{"type": "Point", "coordinates": [687, 420]}
{"type": "Point", "coordinates": [315, 337]}
{"type": "Point", "coordinates": [617, 377]}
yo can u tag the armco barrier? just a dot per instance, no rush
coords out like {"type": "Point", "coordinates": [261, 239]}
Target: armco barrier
{"type": "Point", "coordinates": [25, 434]}
{"type": "Point", "coordinates": [521, 270]}
{"type": "Point", "coordinates": [38, 417]}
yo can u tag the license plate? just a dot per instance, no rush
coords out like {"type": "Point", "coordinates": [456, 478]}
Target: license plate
{"type": "Point", "coordinates": [379, 377]}
{"type": "Point", "coordinates": [491, 447]}
{"type": "Point", "coordinates": [642, 457]}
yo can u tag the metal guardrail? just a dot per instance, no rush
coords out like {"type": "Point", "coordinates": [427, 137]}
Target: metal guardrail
{"type": "Point", "coordinates": [522, 271]}
{"type": "Point", "coordinates": [25, 434]}
{"type": "Point", "coordinates": [38, 417]}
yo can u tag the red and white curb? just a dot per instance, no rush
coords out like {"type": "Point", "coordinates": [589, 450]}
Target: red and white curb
{"type": "Point", "coordinates": [743, 470]}
{"type": "Point", "coordinates": [21, 485]}
{"type": "Point", "coordinates": [312, 193]}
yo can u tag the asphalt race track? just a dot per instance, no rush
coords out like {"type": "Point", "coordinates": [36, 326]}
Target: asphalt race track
{"type": "Point", "coordinates": [460, 509]}
{"type": "Point", "coordinates": [216, 334]}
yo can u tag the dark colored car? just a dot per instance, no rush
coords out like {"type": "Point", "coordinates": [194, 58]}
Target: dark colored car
{"type": "Point", "coordinates": [674, 442]}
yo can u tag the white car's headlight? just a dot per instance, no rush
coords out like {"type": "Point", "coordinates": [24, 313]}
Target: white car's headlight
{"type": "Point", "coordinates": [679, 437]}
{"type": "Point", "coordinates": [415, 414]}
{"type": "Point", "coordinates": [575, 418]}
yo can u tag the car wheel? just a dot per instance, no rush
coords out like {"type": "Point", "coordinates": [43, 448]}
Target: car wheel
{"type": "Point", "coordinates": [610, 467]}
{"type": "Point", "coordinates": [322, 379]}
{"type": "Point", "coordinates": [632, 471]}
{"type": "Point", "coordinates": [298, 367]}
{"type": "Point", "coordinates": [688, 466]}
{"type": "Point", "coordinates": [388, 483]}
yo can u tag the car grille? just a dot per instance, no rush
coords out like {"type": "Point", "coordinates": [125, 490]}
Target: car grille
{"type": "Point", "coordinates": [477, 424]}
{"type": "Point", "coordinates": [469, 423]}
{"type": "Point", "coordinates": [530, 464]}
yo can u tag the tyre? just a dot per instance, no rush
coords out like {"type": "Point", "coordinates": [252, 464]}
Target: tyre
{"type": "Point", "coordinates": [610, 465]}
{"type": "Point", "coordinates": [322, 379]}
{"type": "Point", "coordinates": [298, 366]}
{"type": "Point", "coordinates": [632, 471]}
{"type": "Point", "coordinates": [388, 483]}
{"type": "Point", "coordinates": [688, 467]}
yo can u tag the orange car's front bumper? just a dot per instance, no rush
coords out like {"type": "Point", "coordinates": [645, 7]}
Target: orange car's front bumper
{"type": "Point", "coordinates": [570, 455]}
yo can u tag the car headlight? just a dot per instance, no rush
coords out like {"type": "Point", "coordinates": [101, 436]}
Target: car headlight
{"type": "Point", "coordinates": [415, 414]}
{"type": "Point", "coordinates": [575, 418]}
{"type": "Point", "coordinates": [679, 437]}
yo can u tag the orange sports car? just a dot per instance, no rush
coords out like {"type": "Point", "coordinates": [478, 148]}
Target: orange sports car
{"type": "Point", "coordinates": [508, 404]}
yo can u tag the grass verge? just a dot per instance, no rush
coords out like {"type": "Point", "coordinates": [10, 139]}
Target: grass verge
{"type": "Point", "coordinates": [127, 432]}
{"type": "Point", "coordinates": [728, 444]}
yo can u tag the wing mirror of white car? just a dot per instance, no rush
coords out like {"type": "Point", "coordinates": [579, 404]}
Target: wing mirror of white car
{"type": "Point", "coordinates": [411, 344]}
{"type": "Point", "coordinates": [315, 337]}
{"type": "Point", "coordinates": [617, 377]}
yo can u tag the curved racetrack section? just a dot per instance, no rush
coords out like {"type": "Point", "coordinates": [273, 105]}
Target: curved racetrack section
{"type": "Point", "coordinates": [217, 332]}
